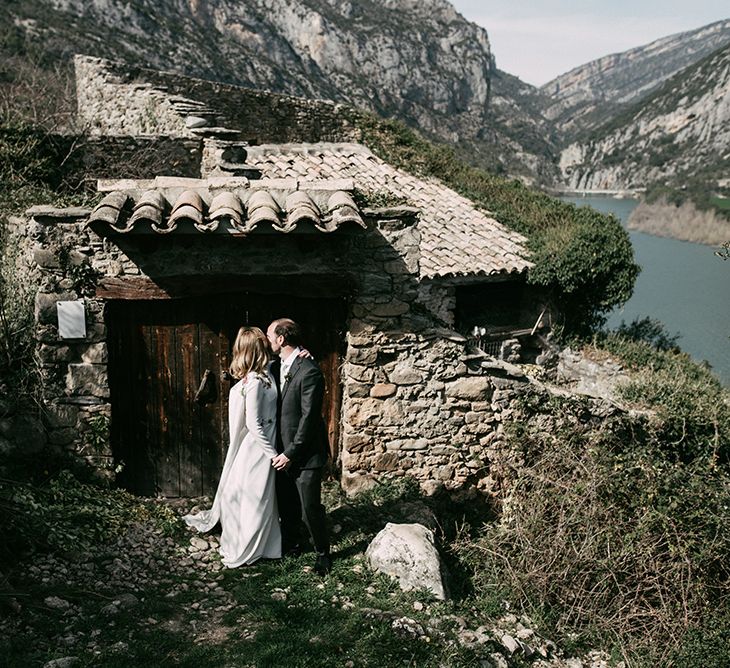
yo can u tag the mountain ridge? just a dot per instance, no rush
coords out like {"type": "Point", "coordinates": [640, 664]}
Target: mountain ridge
{"type": "Point", "coordinates": [587, 96]}
{"type": "Point", "coordinates": [419, 62]}
{"type": "Point", "coordinates": [680, 131]}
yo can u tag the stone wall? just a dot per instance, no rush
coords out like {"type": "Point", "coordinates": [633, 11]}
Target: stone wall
{"type": "Point", "coordinates": [137, 158]}
{"type": "Point", "coordinates": [115, 99]}
{"type": "Point", "coordinates": [112, 103]}
{"type": "Point", "coordinates": [415, 402]}
{"type": "Point", "coordinates": [73, 372]}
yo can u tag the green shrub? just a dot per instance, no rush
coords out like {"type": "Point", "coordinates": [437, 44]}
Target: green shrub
{"type": "Point", "coordinates": [706, 645]}
{"type": "Point", "coordinates": [649, 330]}
{"type": "Point", "coordinates": [692, 406]}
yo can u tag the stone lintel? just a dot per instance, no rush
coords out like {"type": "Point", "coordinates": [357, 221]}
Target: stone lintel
{"type": "Point", "coordinates": [46, 213]}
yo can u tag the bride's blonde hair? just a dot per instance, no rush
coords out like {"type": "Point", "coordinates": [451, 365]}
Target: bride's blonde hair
{"type": "Point", "coordinates": [250, 352]}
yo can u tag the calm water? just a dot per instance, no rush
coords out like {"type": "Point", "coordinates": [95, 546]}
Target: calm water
{"type": "Point", "coordinates": [682, 284]}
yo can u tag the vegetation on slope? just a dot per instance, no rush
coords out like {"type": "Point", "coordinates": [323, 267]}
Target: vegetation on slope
{"type": "Point", "coordinates": [616, 531]}
{"type": "Point", "coordinates": [582, 257]}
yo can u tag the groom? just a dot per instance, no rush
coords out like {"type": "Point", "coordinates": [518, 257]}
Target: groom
{"type": "Point", "coordinates": [301, 442]}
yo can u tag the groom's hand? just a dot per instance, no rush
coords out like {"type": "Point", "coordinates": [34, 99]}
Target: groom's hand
{"type": "Point", "coordinates": [280, 462]}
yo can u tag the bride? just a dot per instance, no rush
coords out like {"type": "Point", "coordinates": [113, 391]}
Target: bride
{"type": "Point", "coordinates": [245, 502]}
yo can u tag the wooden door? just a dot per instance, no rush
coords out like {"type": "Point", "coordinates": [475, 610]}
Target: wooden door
{"type": "Point", "coordinates": [170, 438]}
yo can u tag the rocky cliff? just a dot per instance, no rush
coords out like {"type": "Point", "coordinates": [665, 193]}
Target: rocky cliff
{"type": "Point", "coordinates": [588, 96]}
{"type": "Point", "coordinates": [681, 130]}
{"type": "Point", "coordinates": [416, 60]}
{"type": "Point", "coordinates": [420, 62]}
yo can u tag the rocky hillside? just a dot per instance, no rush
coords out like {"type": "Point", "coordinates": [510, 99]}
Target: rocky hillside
{"type": "Point", "coordinates": [681, 130]}
{"type": "Point", "coordinates": [416, 60]}
{"type": "Point", "coordinates": [521, 129]}
{"type": "Point", "coordinates": [590, 95]}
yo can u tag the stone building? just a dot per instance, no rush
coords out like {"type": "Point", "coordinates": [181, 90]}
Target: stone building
{"type": "Point", "coordinates": [139, 299]}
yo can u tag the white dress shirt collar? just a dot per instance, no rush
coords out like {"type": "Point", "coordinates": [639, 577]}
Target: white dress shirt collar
{"type": "Point", "coordinates": [290, 359]}
{"type": "Point", "coordinates": [286, 365]}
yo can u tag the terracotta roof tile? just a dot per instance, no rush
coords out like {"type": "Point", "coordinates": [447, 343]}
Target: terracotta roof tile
{"type": "Point", "coordinates": [457, 239]}
{"type": "Point", "coordinates": [238, 207]}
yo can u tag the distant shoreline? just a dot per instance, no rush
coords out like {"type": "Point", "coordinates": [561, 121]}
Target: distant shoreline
{"type": "Point", "coordinates": [663, 219]}
{"type": "Point", "coordinates": [620, 194]}
{"type": "Point", "coordinates": [684, 223]}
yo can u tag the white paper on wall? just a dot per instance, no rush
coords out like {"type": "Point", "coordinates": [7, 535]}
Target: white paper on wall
{"type": "Point", "coordinates": [71, 320]}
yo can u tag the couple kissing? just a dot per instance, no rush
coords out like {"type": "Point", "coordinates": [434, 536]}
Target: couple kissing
{"type": "Point", "coordinates": [272, 475]}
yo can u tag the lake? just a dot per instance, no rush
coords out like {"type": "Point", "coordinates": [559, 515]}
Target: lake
{"type": "Point", "coordinates": [682, 284]}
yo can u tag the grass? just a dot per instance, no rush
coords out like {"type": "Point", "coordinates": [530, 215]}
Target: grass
{"type": "Point", "coordinates": [722, 203]}
{"type": "Point", "coordinates": [271, 614]}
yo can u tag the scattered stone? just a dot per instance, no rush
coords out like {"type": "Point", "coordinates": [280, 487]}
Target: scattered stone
{"type": "Point", "coordinates": [127, 601]}
{"type": "Point", "coordinates": [56, 603]}
{"type": "Point", "coordinates": [64, 662]}
{"type": "Point", "coordinates": [408, 626]}
{"type": "Point", "coordinates": [509, 643]}
{"type": "Point", "coordinates": [498, 661]}
{"type": "Point", "coordinates": [109, 610]}
{"type": "Point", "coordinates": [199, 543]}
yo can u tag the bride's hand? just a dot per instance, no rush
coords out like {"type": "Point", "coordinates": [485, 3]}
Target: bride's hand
{"type": "Point", "coordinates": [306, 354]}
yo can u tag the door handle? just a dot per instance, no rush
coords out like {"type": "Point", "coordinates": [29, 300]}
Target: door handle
{"type": "Point", "coordinates": [204, 389]}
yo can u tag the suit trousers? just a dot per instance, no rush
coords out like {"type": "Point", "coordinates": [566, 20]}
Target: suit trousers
{"type": "Point", "coordinates": [300, 500]}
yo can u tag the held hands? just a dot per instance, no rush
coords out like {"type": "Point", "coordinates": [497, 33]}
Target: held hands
{"type": "Point", "coordinates": [280, 462]}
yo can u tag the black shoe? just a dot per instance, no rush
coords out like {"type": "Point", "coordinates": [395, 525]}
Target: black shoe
{"type": "Point", "coordinates": [323, 564]}
{"type": "Point", "coordinates": [291, 551]}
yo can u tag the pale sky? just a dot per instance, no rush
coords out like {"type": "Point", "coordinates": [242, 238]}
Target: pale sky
{"type": "Point", "coordinates": [538, 40]}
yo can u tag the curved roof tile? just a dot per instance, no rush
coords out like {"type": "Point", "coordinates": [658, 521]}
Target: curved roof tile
{"type": "Point", "coordinates": [299, 206]}
{"type": "Point", "coordinates": [225, 207]}
{"type": "Point", "coordinates": [341, 208]}
{"type": "Point", "coordinates": [188, 206]}
{"type": "Point", "coordinates": [108, 210]}
{"type": "Point", "coordinates": [262, 208]}
{"type": "Point", "coordinates": [149, 208]}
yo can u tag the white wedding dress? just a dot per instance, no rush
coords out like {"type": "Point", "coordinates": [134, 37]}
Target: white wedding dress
{"type": "Point", "coordinates": [245, 502]}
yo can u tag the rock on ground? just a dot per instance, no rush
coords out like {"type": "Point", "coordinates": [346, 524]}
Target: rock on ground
{"type": "Point", "coordinates": [407, 553]}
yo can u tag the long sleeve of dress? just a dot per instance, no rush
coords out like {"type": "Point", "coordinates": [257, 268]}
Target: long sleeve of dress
{"type": "Point", "coordinates": [259, 424]}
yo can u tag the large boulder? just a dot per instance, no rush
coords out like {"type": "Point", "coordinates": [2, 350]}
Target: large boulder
{"type": "Point", "coordinates": [407, 553]}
